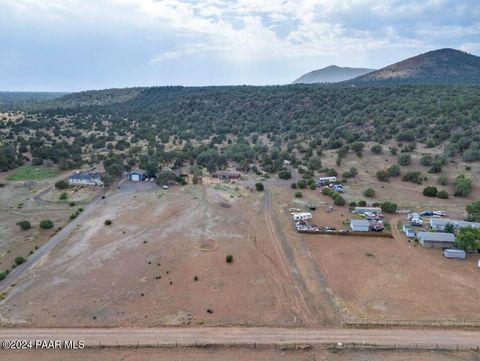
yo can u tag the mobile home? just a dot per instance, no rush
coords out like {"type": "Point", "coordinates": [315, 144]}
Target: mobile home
{"type": "Point", "coordinates": [302, 216]}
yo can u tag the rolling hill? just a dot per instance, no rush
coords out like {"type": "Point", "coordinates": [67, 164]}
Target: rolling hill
{"type": "Point", "coordinates": [443, 66]}
{"type": "Point", "coordinates": [331, 74]}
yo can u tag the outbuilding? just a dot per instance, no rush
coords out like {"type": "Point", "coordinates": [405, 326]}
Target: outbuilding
{"type": "Point", "coordinates": [454, 253]}
{"type": "Point", "coordinates": [360, 225]}
{"type": "Point", "coordinates": [137, 175]}
{"type": "Point", "coordinates": [410, 233]}
{"type": "Point", "coordinates": [436, 239]}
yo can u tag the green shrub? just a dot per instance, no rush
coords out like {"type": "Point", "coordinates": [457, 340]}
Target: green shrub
{"type": "Point", "coordinates": [462, 186]}
{"type": "Point", "coordinates": [369, 192]}
{"type": "Point", "coordinates": [442, 195]}
{"type": "Point", "coordinates": [298, 194]}
{"type": "Point", "coordinates": [362, 203]}
{"type": "Point", "coordinates": [339, 200]}
{"type": "Point", "coordinates": [285, 174]}
{"type": "Point", "coordinates": [24, 225]}
{"type": "Point", "coordinates": [312, 186]}
{"type": "Point", "coordinates": [19, 260]}
{"type": "Point", "coordinates": [302, 184]}
{"type": "Point", "coordinates": [108, 222]}
{"type": "Point", "coordinates": [61, 184]}
{"type": "Point", "coordinates": [46, 224]}
{"type": "Point", "coordinates": [376, 148]}
{"type": "Point", "coordinates": [393, 170]}
{"type": "Point", "coordinates": [72, 204]}
{"type": "Point", "coordinates": [63, 196]}
{"type": "Point", "coordinates": [331, 173]}
{"type": "Point", "coordinates": [382, 176]}
{"type": "Point", "coordinates": [388, 207]}
{"type": "Point", "coordinates": [404, 159]}
{"type": "Point", "coordinates": [229, 258]}
{"type": "Point", "coordinates": [293, 185]}
{"type": "Point", "coordinates": [259, 187]}
{"type": "Point", "coordinates": [413, 176]}
{"type": "Point", "coordinates": [430, 191]}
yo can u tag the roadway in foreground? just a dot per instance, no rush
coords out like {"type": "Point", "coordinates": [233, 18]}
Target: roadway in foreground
{"type": "Point", "coordinates": [243, 336]}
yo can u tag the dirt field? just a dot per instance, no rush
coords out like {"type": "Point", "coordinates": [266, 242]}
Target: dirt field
{"type": "Point", "coordinates": [141, 270]}
{"type": "Point", "coordinates": [391, 279]}
{"type": "Point", "coordinates": [214, 354]}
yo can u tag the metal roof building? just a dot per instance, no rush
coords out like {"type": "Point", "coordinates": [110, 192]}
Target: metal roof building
{"type": "Point", "coordinates": [360, 225]}
{"type": "Point", "coordinates": [436, 239]}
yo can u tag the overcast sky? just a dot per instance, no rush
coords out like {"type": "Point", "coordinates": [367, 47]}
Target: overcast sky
{"type": "Point", "coordinates": [70, 45]}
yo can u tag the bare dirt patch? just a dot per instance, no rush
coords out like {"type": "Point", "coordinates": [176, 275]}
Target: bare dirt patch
{"type": "Point", "coordinates": [150, 266]}
{"type": "Point", "coordinates": [390, 279]}
{"type": "Point", "coordinates": [235, 354]}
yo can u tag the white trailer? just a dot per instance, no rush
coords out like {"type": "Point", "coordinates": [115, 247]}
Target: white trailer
{"type": "Point", "coordinates": [326, 180]}
{"type": "Point", "coordinates": [454, 253]}
{"type": "Point", "coordinates": [302, 216]}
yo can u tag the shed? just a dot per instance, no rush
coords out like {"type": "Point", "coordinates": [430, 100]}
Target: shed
{"type": "Point", "coordinates": [137, 175]}
{"type": "Point", "coordinates": [436, 239]}
{"type": "Point", "coordinates": [454, 253]}
{"type": "Point", "coordinates": [360, 225]}
{"type": "Point", "coordinates": [410, 233]}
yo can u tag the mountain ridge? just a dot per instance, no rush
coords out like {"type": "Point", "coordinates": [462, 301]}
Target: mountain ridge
{"type": "Point", "coordinates": [331, 74]}
{"type": "Point", "coordinates": [442, 66]}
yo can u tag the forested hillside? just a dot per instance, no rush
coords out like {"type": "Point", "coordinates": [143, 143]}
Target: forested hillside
{"type": "Point", "coordinates": [211, 125]}
{"type": "Point", "coordinates": [11, 98]}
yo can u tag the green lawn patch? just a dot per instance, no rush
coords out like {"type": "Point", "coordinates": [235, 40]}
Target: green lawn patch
{"type": "Point", "coordinates": [28, 172]}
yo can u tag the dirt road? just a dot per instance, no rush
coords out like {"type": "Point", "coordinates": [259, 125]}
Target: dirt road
{"type": "Point", "coordinates": [192, 336]}
{"type": "Point", "coordinates": [50, 244]}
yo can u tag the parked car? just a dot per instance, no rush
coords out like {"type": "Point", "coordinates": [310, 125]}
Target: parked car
{"type": "Point", "coordinates": [426, 213]}
{"type": "Point", "coordinates": [165, 187]}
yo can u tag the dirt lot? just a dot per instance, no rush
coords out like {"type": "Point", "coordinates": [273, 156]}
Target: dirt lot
{"type": "Point", "coordinates": [391, 279]}
{"type": "Point", "coordinates": [215, 354]}
{"type": "Point", "coordinates": [141, 270]}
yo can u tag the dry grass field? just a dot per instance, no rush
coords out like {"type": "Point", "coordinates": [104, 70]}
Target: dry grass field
{"type": "Point", "coordinates": [162, 262]}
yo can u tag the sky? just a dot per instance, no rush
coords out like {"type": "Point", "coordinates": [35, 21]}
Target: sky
{"type": "Point", "coordinates": [73, 45]}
